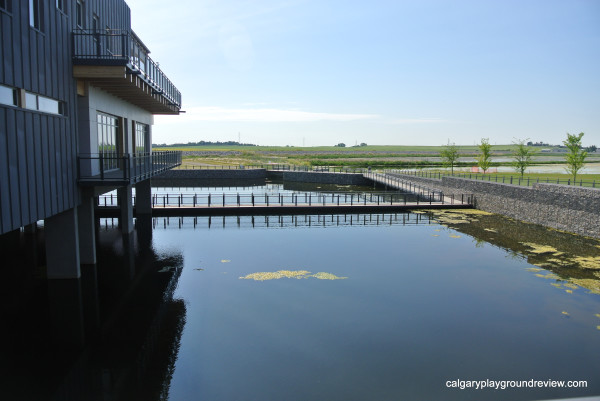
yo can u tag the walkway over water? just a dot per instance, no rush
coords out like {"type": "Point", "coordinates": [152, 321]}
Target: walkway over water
{"type": "Point", "coordinates": [409, 197]}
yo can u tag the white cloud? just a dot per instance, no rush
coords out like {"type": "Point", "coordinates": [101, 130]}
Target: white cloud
{"type": "Point", "coordinates": [265, 115]}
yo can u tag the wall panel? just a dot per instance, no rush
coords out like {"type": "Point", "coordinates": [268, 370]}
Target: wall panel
{"type": "Point", "coordinates": [38, 151]}
{"type": "Point", "coordinates": [5, 206]}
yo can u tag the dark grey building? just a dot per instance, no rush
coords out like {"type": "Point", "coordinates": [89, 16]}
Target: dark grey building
{"type": "Point", "coordinates": [78, 92]}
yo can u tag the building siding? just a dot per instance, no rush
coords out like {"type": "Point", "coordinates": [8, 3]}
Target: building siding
{"type": "Point", "coordinates": [38, 151]}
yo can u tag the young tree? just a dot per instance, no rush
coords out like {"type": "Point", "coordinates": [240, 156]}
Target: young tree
{"type": "Point", "coordinates": [449, 155]}
{"type": "Point", "coordinates": [484, 160]}
{"type": "Point", "coordinates": [575, 155]}
{"type": "Point", "coordinates": [522, 156]}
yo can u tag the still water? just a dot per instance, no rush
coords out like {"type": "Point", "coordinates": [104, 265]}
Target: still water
{"type": "Point", "coordinates": [337, 307]}
{"type": "Point", "coordinates": [417, 304]}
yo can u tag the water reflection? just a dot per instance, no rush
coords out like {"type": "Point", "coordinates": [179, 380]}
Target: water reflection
{"type": "Point", "coordinates": [112, 335]}
{"type": "Point", "coordinates": [284, 221]}
{"type": "Point", "coordinates": [572, 260]}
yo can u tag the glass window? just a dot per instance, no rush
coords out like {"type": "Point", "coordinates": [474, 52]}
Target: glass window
{"type": "Point", "coordinates": [8, 96]}
{"type": "Point", "coordinates": [35, 14]}
{"type": "Point", "coordinates": [60, 4]}
{"type": "Point", "coordinates": [108, 130]}
{"type": "Point", "coordinates": [141, 137]}
{"type": "Point", "coordinates": [43, 104]}
{"type": "Point", "coordinates": [79, 9]}
{"type": "Point", "coordinates": [31, 101]}
{"type": "Point", "coordinates": [48, 105]}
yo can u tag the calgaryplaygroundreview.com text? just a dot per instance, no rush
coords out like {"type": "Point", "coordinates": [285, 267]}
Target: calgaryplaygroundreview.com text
{"type": "Point", "coordinates": [506, 384]}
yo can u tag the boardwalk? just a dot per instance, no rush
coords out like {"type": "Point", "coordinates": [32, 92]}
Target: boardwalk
{"type": "Point", "coordinates": [408, 197]}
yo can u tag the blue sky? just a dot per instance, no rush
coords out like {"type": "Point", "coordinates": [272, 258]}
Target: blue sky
{"type": "Point", "coordinates": [319, 72]}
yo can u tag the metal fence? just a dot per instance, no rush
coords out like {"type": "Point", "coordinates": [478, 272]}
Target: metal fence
{"type": "Point", "coordinates": [92, 168]}
{"type": "Point", "coordinates": [303, 199]}
{"type": "Point", "coordinates": [277, 167]}
{"type": "Point", "coordinates": [514, 180]}
{"type": "Point", "coordinates": [122, 47]}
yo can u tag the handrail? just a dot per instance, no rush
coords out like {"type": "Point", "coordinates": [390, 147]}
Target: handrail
{"type": "Point", "coordinates": [293, 199]}
{"type": "Point", "coordinates": [120, 47]}
{"type": "Point", "coordinates": [110, 167]}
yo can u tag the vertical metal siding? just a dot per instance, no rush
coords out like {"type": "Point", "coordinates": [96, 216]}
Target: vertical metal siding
{"type": "Point", "coordinates": [38, 151]}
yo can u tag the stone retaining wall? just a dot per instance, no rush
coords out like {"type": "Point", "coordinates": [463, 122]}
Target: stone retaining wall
{"type": "Point", "coordinates": [239, 174]}
{"type": "Point", "coordinates": [326, 178]}
{"type": "Point", "coordinates": [568, 208]}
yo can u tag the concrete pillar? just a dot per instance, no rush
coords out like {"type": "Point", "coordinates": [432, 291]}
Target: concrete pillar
{"type": "Point", "coordinates": [126, 206]}
{"type": "Point", "coordinates": [143, 198]}
{"type": "Point", "coordinates": [62, 245]}
{"type": "Point", "coordinates": [87, 230]}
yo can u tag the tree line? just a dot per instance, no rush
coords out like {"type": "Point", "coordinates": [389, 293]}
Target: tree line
{"type": "Point", "coordinates": [522, 155]}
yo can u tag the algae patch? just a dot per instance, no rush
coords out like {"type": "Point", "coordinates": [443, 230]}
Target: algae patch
{"type": "Point", "coordinates": [590, 284]}
{"type": "Point", "coordinates": [297, 274]}
{"type": "Point", "coordinates": [551, 276]}
{"type": "Point", "coordinates": [588, 262]}
{"type": "Point", "coordinates": [326, 276]}
{"type": "Point", "coordinates": [539, 249]}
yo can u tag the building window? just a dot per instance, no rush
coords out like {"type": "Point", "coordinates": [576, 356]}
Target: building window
{"type": "Point", "coordinates": [44, 104]}
{"type": "Point", "coordinates": [5, 5]}
{"type": "Point", "coordinates": [79, 13]}
{"type": "Point", "coordinates": [142, 132]}
{"type": "Point", "coordinates": [35, 14]}
{"type": "Point", "coordinates": [8, 96]}
{"type": "Point", "coordinates": [60, 4]}
{"type": "Point", "coordinates": [108, 134]}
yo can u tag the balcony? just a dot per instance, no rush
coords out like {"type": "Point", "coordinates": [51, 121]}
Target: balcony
{"type": "Point", "coordinates": [107, 169]}
{"type": "Point", "coordinates": [117, 61]}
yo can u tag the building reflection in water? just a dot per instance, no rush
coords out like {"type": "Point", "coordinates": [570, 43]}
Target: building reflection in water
{"type": "Point", "coordinates": [111, 335]}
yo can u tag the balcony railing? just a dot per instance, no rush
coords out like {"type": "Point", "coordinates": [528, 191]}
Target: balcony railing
{"type": "Point", "coordinates": [122, 48]}
{"type": "Point", "coordinates": [110, 169]}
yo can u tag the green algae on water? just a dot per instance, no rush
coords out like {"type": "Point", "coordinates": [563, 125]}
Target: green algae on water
{"type": "Point", "coordinates": [297, 274]}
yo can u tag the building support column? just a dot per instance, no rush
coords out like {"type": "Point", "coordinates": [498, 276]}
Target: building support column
{"type": "Point", "coordinates": [87, 229]}
{"type": "Point", "coordinates": [143, 198]}
{"type": "Point", "coordinates": [126, 206]}
{"type": "Point", "coordinates": [62, 245]}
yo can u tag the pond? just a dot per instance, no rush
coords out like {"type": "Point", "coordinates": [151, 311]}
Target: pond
{"type": "Point", "coordinates": [388, 307]}
{"type": "Point", "coordinates": [335, 307]}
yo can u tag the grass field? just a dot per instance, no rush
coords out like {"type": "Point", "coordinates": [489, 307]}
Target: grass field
{"type": "Point", "coordinates": [348, 149]}
{"type": "Point", "coordinates": [379, 157]}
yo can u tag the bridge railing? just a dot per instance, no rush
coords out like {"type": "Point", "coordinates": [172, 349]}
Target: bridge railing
{"type": "Point", "coordinates": [277, 167]}
{"type": "Point", "coordinates": [300, 199]}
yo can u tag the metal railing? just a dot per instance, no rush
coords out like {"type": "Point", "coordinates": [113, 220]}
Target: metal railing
{"type": "Point", "coordinates": [277, 167]}
{"type": "Point", "coordinates": [92, 168]}
{"type": "Point", "coordinates": [299, 199]}
{"type": "Point", "coordinates": [121, 47]}
{"type": "Point", "coordinates": [514, 180]}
